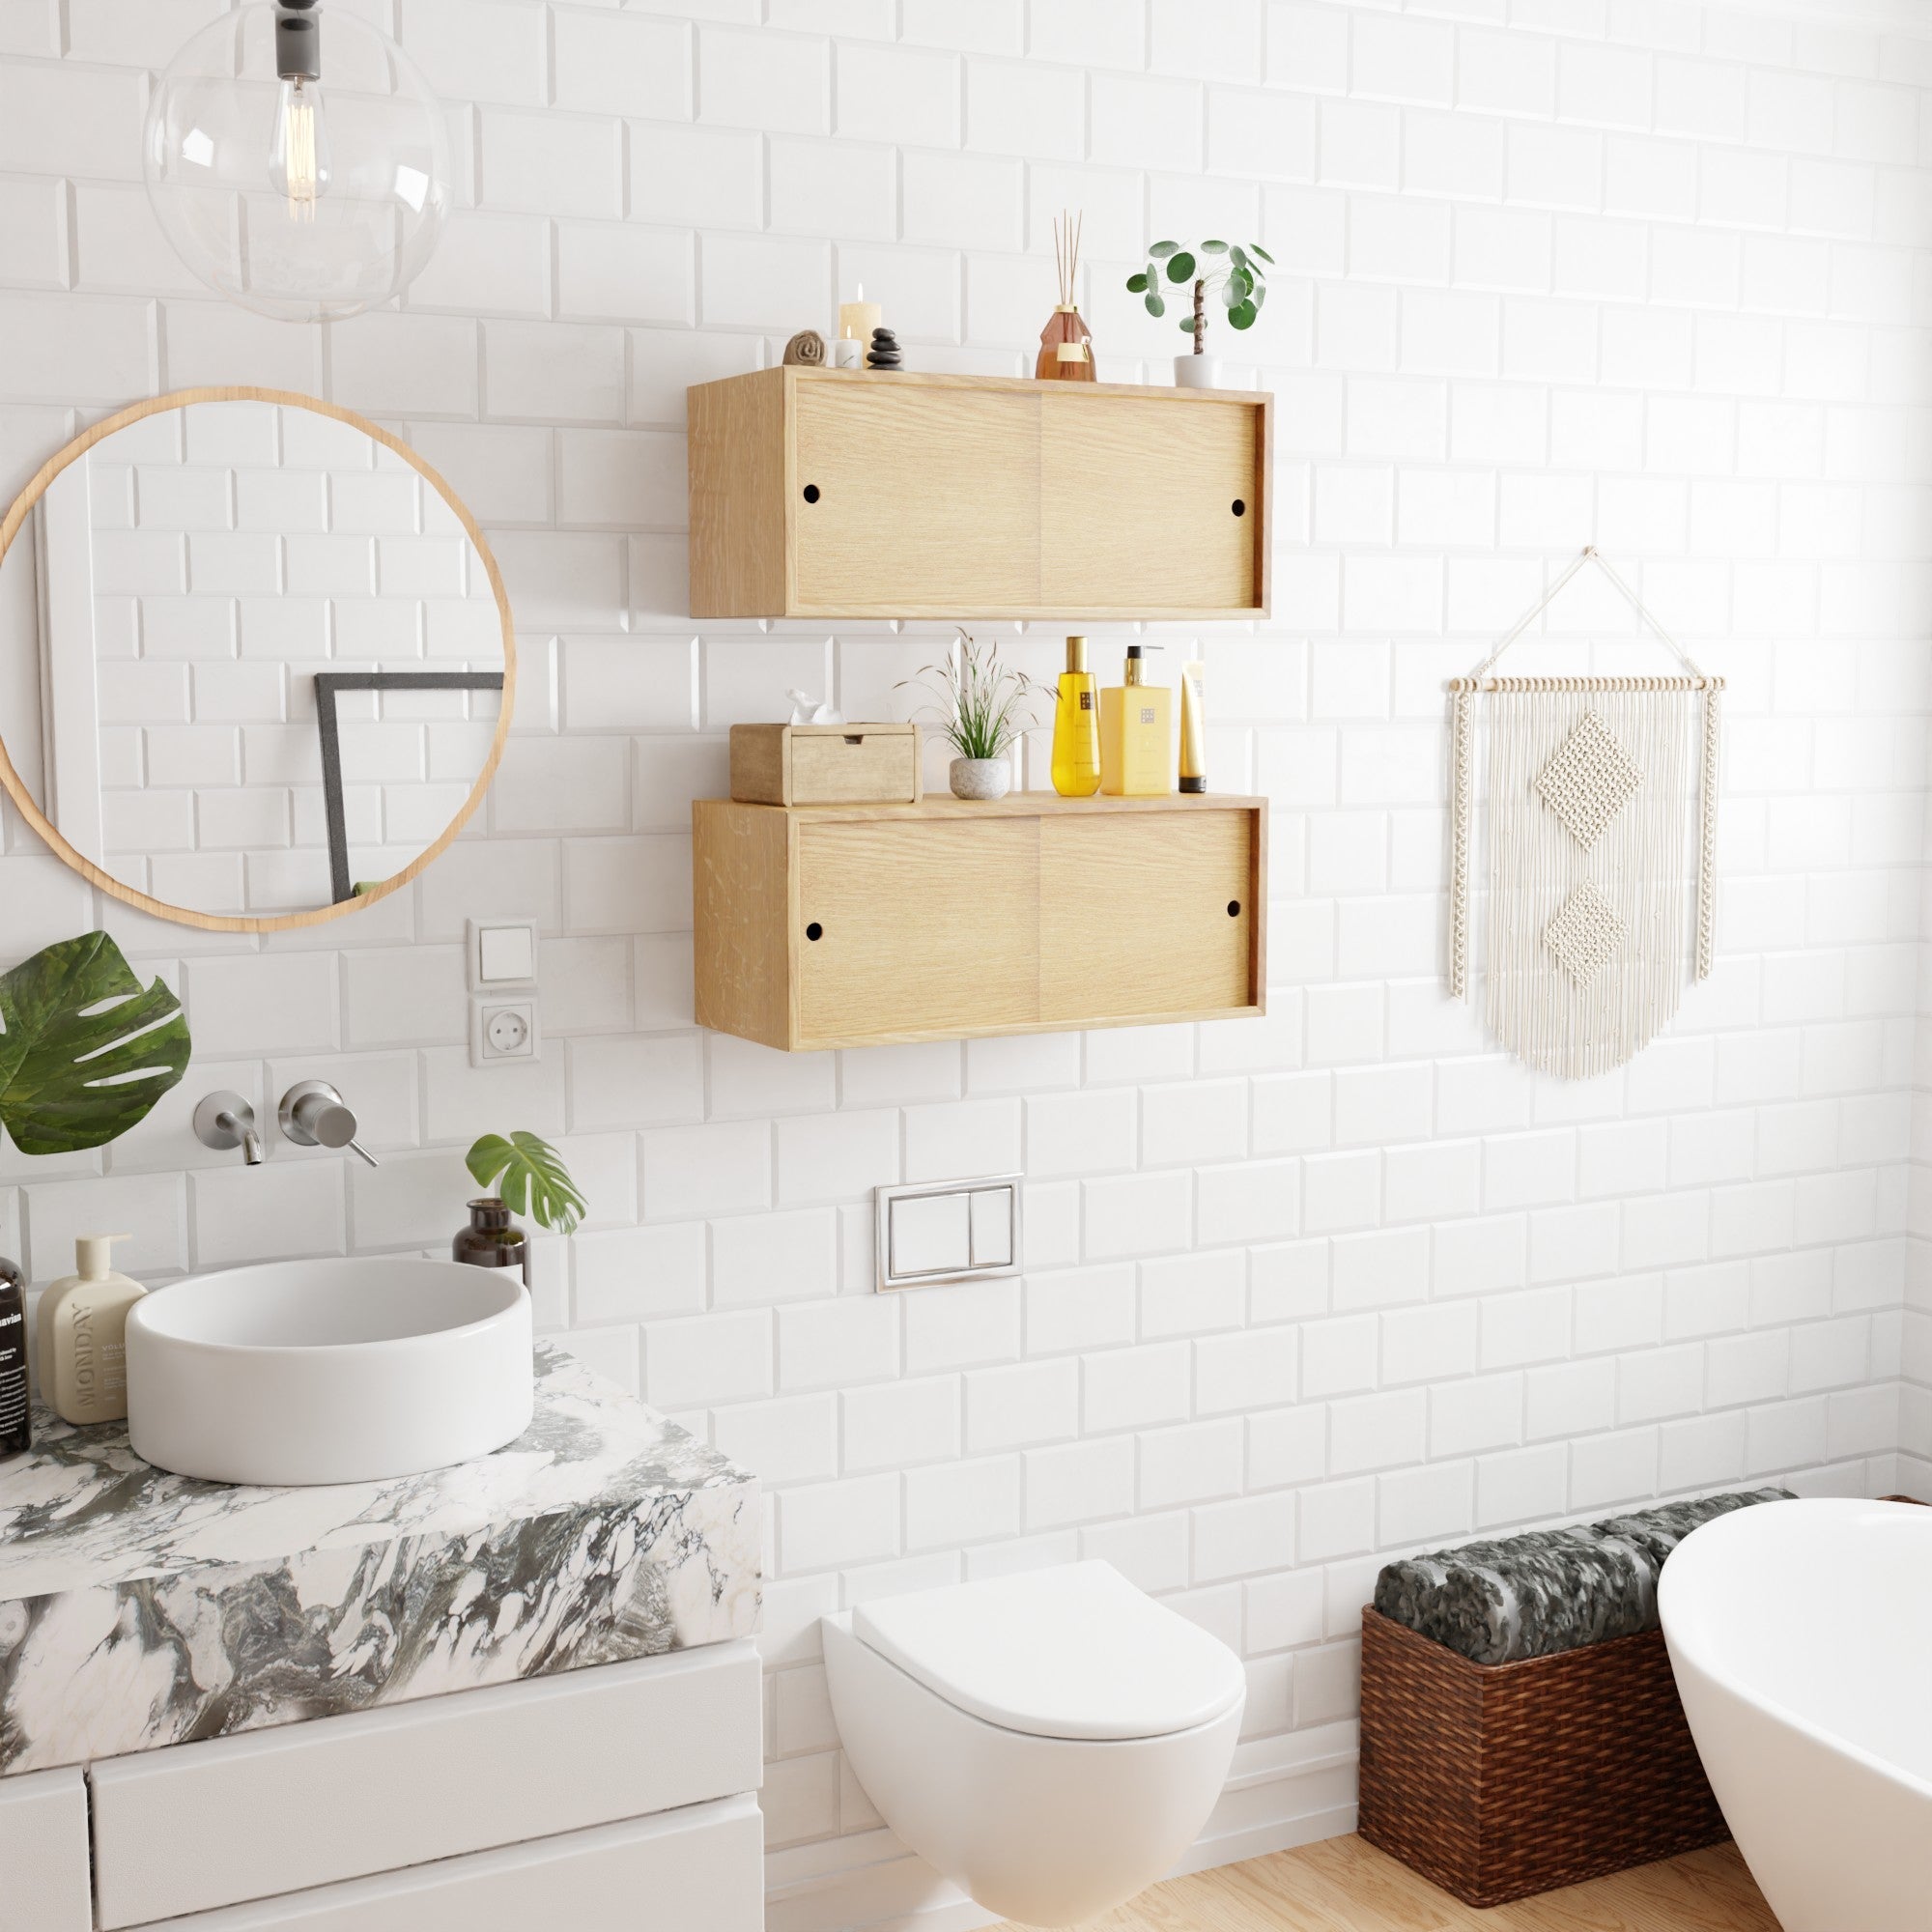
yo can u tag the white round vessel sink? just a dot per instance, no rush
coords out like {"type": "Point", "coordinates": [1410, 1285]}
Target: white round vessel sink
{"type": "Point", "coordinates": [329, 1371]}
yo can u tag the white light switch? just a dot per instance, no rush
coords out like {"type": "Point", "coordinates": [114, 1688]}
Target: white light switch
{"type": "Point", "coordinates": [509, 952]}
{"type": "Point", "coordinates": [502, 952]}
{"type": "Point", "coordinates": [929, 1235]}
{"type": "Point", "coordinates": [948, 1230]}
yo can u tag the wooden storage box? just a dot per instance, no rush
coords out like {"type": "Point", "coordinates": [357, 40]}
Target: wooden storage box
{"type": "Point", "coordinates": [825, 764]}
{"type": "Point", "coordinates": [858, 925]}
{"type": "Point", "coordinates": [819, 492]}
{"type": "Point", "coordinates": [1497, 1781]}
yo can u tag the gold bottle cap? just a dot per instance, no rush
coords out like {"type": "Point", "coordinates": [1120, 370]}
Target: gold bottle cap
{"type": "Point", "coordinates": [1076, 654]}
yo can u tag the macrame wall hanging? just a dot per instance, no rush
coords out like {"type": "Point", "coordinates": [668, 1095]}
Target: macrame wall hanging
{"type": "Point", "coordinates": [1599, 810]}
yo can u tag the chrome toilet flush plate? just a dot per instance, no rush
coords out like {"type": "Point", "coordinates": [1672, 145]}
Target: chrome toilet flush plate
{"type": "Point", "coordinates": [931, 1231]}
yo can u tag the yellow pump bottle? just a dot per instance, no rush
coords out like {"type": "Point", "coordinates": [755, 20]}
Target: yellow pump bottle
{"type": "Point", "coordinates": [1076, 727]}
{"type": "Point", "coordinates": [1136, 733]}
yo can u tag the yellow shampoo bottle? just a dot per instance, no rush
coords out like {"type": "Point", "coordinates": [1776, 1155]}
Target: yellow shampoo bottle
{"type": "Point", "coordinates": [1136, 734]}
{"type": "Point", "coordinates": [1076, 727]}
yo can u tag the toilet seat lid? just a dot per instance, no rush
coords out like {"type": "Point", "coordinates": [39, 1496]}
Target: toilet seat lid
{"type": "Point", "coordinates": [1070, 1652]}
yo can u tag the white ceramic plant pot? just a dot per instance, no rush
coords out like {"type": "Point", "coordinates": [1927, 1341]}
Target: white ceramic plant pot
{"type": "Point", "coordinates": [1197, 372]}
{"type": "Point", "coordinates": [982, 778]}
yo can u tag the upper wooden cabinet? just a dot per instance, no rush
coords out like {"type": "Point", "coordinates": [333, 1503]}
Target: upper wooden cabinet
{"type": "Point", "coordinates": [819, 492]}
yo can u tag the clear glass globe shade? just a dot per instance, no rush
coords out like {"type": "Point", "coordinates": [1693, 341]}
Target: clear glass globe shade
{"type": "Point", "coordinates": [309, 204]}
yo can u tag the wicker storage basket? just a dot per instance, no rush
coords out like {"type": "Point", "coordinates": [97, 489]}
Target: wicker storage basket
{"type": "Point", "coordinates": [1497, 1781]}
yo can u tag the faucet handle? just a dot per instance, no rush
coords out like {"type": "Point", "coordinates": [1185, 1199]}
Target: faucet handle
{"type": "Point", "coordinates": [313, 1113]}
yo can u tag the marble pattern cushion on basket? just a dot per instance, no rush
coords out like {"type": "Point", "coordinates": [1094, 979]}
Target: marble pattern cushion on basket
{"type": "Point", "coordinates": [1547, 1590]}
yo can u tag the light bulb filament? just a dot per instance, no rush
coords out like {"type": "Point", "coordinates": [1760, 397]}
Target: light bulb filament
{"type": "Point", "coordinates": [301, 165]}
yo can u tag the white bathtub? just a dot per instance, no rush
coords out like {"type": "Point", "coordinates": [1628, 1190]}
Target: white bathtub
{"type": "Point", "coordinates": [1802, 1639]}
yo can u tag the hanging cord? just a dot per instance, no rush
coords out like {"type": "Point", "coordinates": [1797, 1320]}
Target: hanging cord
{"type": "Point", "coordinates": [1590, 554]}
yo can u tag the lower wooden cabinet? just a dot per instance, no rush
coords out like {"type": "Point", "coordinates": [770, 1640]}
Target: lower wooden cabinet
{"type": "Point", "coordinates": [858, 926]}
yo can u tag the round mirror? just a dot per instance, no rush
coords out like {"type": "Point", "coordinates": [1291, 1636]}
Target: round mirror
{"type": "Point", "coordinates": [259, 664]}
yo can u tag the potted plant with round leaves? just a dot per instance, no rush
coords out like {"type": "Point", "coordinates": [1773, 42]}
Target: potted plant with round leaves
{"type": "Point", "coordinates": [1239, 274]}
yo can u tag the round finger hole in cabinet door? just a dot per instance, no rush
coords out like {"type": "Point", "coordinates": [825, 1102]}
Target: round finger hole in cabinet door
{"type": "Point", "coordinates": [1240, 507]}
{"type": "Point", "coordinates": [814, 930]}
{"type": "Point", "coordinates": [810, 492]}
{"type": "Point", "coordinates": [277, 664]}
{"type": "Point", "coordinates": [1233, 908]}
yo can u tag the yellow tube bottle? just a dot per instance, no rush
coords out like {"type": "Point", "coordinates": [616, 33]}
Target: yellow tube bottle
{"type": "Point", "coordinates": [1076, 727]}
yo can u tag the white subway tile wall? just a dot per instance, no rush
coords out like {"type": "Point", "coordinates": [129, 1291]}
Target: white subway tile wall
{"type": "Point", "coordinates": [1301, 1291]}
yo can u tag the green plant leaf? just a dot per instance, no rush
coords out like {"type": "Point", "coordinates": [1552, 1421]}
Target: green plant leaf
{"type": "Point", "coordinates": [1236, 290]}
{"type": "Point", "coordinates": [1213, 248]}
{"type": "Point", "coordinates": [1155, 304]}
{"type": "Point", "coordinates": [1137, 284]}
{"type": "Point", "coordinates": [529, 1177]}
{"type": "Point", "coordinates": [1239, 256]}
{"type": "Point", "coordinates": [1180, 269]}
{"type": "Point", "coordinates": [1162, 251]}
{"type": "Point", "coordinates": [1243, 316]}
{"type": "Point", "coordinates": [87, 1050]}
{"type": "Point", "coordinates": [1187, 325]}
{"type": "Point", "coordinates": [1255, 248]}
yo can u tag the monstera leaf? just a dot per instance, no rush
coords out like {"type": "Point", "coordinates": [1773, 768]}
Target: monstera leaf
{"type": "Point", "coordinates": [529, 1177]}
{"type": "Point", "coordinates": [87, 1050]}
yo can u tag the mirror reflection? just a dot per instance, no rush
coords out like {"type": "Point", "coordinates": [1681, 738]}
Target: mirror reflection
{"type": "Point", "coordinates": [255, 660]}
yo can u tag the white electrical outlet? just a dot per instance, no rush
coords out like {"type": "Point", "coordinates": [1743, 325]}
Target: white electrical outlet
{"type": "Point", "coordinates": [502, 1030]}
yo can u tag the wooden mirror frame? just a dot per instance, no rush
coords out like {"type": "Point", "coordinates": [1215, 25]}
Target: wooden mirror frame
{"type": "Point", "coordinates": [210, 922]}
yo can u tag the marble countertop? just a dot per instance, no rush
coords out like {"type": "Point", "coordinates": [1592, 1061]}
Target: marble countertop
{"type": "Point", "coordinates": [139, 1608]}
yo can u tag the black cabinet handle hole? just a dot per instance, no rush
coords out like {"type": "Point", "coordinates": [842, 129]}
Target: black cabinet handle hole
{"type": "Point", "coordinates": [1233, 908]}
{"type": "Point", "coordinates": [1241, 508]}
{"type": "Point", "coordinates": [814, 930]}
{"type": "Point", "coordinates": [811, 492]}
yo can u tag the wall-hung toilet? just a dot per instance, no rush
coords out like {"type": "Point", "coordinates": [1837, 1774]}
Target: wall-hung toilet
{"type": "Point", "coordinates": [1052, 1742]}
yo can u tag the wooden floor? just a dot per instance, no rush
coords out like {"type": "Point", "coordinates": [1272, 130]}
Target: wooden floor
{"type": "Point", "coordinates": [1343, 1885]}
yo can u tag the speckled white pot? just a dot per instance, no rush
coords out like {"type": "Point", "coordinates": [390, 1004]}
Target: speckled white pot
{"type": "Point", "coordinates": [982, 778]}
{"type": "Point", "coordinates": [1197, 372]}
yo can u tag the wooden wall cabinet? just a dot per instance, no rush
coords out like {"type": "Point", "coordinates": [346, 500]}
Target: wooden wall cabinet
{"type": "Point", "coordinates": [863, 926]}
{"type": "Point", "coordinates": [819, 492]}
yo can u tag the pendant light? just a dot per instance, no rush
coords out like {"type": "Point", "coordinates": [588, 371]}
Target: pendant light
{"type": "Point", "coordinates": [299, 164]}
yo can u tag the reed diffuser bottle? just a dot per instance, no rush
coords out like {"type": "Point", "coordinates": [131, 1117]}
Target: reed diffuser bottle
{"type": "Point", "coordinates": [1065, 346]}
{"type": "Point", "coordinates": [1076, 727]}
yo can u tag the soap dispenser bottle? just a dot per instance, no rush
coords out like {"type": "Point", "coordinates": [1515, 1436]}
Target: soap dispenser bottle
{"type": "Point", "coordinates": [83, 1335]}
{"type": "Point", "coordinates": [1136, 733]}
{"type": "Point", "coordinates": [1076, 727]}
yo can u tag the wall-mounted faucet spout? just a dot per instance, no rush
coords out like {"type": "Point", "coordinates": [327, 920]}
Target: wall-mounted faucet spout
{"type": "Point", "coordinates": [225, 1120]}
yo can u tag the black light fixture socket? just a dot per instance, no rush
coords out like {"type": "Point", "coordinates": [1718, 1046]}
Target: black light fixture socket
{"type": "Point", "coordinates": [297, 39]}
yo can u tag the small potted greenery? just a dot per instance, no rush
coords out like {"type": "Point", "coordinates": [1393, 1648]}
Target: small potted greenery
{"type": "Point", "coordinates": [1239, 273]}
{"type": "Point", "coordinates": [527, 1176]}
{"type": "Point", "coordinates": [980, 708]}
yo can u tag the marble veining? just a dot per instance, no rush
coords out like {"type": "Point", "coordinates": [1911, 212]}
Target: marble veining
{"type": "Point", "coordinates": [139, 1608]}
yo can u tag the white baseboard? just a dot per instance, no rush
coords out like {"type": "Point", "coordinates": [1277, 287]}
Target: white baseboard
{"type": "Point", "coordinates": [1284, 1791]}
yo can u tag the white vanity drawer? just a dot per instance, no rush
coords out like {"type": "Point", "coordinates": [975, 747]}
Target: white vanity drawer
{"type": "Point", "coordinates": [199, 1826]}
{"type": "Point", "coordinates": [43, 1853]}
{"type": "Point", "coordinates": [700, 1870]}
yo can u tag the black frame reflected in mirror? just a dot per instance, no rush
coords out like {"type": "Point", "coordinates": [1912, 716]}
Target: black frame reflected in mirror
{"type": "Point", "coordinates": [327, 683]}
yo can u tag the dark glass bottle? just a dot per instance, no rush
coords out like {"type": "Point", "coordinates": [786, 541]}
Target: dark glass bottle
{"type": "Point", "coordinates": [16, 1429]}
{"type": "Point", "coordinates": [492, 1240]}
